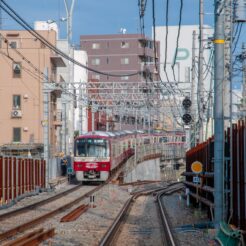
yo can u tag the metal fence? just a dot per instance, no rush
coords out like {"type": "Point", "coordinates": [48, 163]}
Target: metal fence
{"type": "Point", "coordinates": [20, 176]}
{"type": "Point", "coordinates": [201, 186]}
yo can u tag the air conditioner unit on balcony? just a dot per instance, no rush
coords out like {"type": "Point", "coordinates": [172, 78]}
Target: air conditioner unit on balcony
{"type": "Point", "coordinates": [16, 114]}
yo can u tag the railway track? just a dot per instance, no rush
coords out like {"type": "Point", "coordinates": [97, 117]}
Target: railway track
{"type": "Point", "coordinates": [37, 204]}
{"type": "Point", "coordinates": [164, 218]}
{"type": "Point", "coordinates": [113, 233]}
{"type": "Point", "coordinates": [31, 224]}
{"type": "Point", "coordinates": [10, 233]}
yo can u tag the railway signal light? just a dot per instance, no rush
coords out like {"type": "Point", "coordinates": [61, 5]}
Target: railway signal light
{"type": "Point", "coordinates": [187, 118]}
{"type": "Point", "coordinates": [186, 103]}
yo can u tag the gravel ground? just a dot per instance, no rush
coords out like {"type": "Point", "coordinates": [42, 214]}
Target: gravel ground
{"type": "Point", "coordinates": [142, 226]}
{"type": "Point", "coordinates": [180, 215]}
{"type": "Point", "coordinates": [90, 227]}
{"type": "Point", "coordinates": [36, 198]}
{"type": "Point", "coordinates": [11, 222]}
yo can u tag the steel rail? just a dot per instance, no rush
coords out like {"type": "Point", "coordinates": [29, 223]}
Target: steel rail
{"type": "Point", "coordinates": [38, 220]}
{"type": "Point", "coordinates": [73, 215]}
{"type": "Point", "coordinates": [37, 204]}
{"type": "Point", "coordinates": [166, 224]}
{"type": "Point", "coordinates": [32, 238]}
{"type": "Point", "coordinates": [141, 182]}
{"type": "Point", "coordinates": [113, 229]}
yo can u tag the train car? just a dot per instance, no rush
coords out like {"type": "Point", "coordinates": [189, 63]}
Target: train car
{"type": "Point", "coordinates": [97, 153]}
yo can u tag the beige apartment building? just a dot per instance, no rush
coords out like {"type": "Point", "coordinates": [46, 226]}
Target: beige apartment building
{"type": "Point", "coordinates": [26, 65]}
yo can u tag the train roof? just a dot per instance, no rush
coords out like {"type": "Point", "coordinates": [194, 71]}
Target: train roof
{"type": "Point", "coordinates": [97, 133]}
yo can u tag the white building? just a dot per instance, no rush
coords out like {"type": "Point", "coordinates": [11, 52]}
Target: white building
{"type": "Point", "coordinates": [81, 75]}
{"type": "Point", "coordinates": [179, 71]}
{"type": "Point", "coordinates": [67, 74]}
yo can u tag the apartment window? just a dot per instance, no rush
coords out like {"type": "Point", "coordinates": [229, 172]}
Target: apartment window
{"type": "Point", "coordinates": [13, 44]}
{"type": "Point", "coordinates": [95, 76]}
{"type": "Point", "coordinates": [107, 60]}
{"type": "Point", "coordinates": [124, 61]}
{"type": "Point", "coordinates": [124, 44]}
{"type": "Point", "coordinates": [125, 78]}
{"type": "Point", "coordinates": [16, 134]}
{"type": "Point", "coordinates": [95, 46]}
{"type": "Point", "coordinates": [16, 101]}
{"type": "Point", "coordinates": [16, 69]}
{"type": "Point", "coordinates": [95, 61]}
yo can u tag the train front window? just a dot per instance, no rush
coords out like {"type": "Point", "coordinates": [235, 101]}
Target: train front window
{"type": "Point", "coordinates": [92, 147]}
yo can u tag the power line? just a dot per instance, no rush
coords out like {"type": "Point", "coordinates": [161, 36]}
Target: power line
{"type": "Point", "coordinates": [178, 35]}
{"type": "Point", "coordinates": [27, 27]}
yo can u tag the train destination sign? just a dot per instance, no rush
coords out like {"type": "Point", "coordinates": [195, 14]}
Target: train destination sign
{"type": "Point", "coordinates": [196, 167]}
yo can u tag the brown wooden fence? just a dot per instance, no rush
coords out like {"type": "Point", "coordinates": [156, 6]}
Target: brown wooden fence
{"type": "Point", "coordinates": [20, 176]}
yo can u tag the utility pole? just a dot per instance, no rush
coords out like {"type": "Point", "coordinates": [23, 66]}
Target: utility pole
{"type": "Point", "coordinates": [46, 127]}
{"type": "Point", "coordinates": [69, 11]}
{"type": "Point", "coordinates": [200, 87]}
{"type": "Point", "coordinates": [244, 80]}
{"type": "Point", "coordinates": [228, 37]}
{"type": "Point", "coordinates": [219, 43]}
{"type": "Point", "coordinates": [69, 107]}
{"type": "Point", "coordinates": [92, 117]}
{"type": "Point", "coordinates": [80, 111]}
{"type": "Point", "coordinates": [193, 78]}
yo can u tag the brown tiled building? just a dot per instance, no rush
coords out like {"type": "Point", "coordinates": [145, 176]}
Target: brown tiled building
{"type": "Point", "coordinates": [24, 60]}
{"type": "Point", "coordinates": [120, 54]}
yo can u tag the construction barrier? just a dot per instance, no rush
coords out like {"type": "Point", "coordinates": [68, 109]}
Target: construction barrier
{"type": "Point", "coordinates": [201, 185]}
{"type": "Point", "coordinates": [20, 176]}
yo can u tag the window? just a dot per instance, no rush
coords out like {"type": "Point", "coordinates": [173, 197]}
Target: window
{"type": "Point", "coordinates": [13, 44]}
{"type": "Point", "coordinates": [124, 61]}
{"type": "Point", "coordinates": [16, 69]}
{"type": "Point", "coordinates": [16, 101]}
{"type": "Point", "coordinates": [124, 44]}
{"type": "Point", "coordinates": [95, 46]}
{"type": "Point", "coordinates": [17, 134]}
{"type": "Point", "coordinates": [124, 78]}
{"type": "Point", "coordinates": [95, 61]}
{"type": "Point", "coordinates": [95, 76]}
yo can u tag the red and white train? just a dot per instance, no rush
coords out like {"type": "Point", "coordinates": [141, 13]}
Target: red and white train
{"type": "Point", "coordinates": [98, 153]}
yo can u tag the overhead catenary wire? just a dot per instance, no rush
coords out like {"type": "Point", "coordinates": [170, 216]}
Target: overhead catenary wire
{"type": "Point", "coordinates": [178, 35]}
{"type": "Point", "coordinates": [157, 70]}
{"type": "Point", "coordinates": [11, 12]}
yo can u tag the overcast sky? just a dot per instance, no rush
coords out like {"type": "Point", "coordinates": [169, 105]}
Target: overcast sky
{"type": "Point", "coordinates": [105, 16]}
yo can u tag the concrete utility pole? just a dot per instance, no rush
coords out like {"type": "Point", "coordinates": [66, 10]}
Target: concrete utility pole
{"type": "Point", "coordinates": [200, 87]}
{"type": "Point", "coordinates": [69, 107]}
{"type": "Point", "coordinates": [193, 78]}
{"type": "Point", "coordinates": [80, 111]}
{"type": "Point", "coordinates": [46, 127]}
{"type": "Point", "coordinates": [228, 67]}
{"type": "Point", "coordinates": [69, 11]}
{"type": "Point", "coordinates": [244, 80]}
{"type": "Point", "coordinates": [219, 41]}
